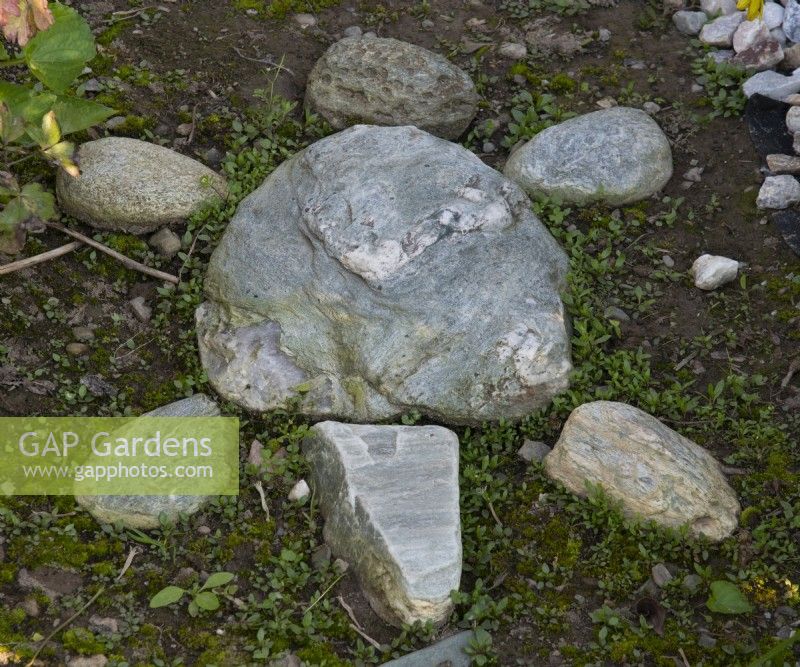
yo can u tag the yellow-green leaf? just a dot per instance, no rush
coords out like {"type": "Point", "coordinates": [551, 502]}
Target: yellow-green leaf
{"type": "Point", "coordinates": [50, 130]}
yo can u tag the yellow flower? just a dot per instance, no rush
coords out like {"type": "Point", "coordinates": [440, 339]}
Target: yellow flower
{"type": "Point", "coordinates": [755, 8]}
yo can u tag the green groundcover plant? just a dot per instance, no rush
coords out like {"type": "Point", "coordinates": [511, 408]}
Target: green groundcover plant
{"type": "Point", "coordinates": [48, 49]}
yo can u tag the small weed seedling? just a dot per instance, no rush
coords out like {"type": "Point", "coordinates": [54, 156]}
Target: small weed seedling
{"type": "Point", "coordinates": [202, 597]}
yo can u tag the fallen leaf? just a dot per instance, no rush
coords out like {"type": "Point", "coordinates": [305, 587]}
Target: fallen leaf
{"type": "Point", "coordinates": [653, 613]}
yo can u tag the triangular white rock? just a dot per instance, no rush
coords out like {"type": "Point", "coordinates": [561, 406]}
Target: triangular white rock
{"type": "Point", "coordinates": [389, 495]}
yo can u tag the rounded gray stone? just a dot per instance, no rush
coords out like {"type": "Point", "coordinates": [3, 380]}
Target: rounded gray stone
{"type": "Point", "coordinates": [384, 270]}
{"type": "Point", "coordinates": [616, 156]}
{"type": "Point", "coordinates": [383, 81]}
{"type": "Point", "coordinates": [135, 186]}
{"type": "Point", "coordinates": [689, 23]}
{"type": "Point", "coordinates": [143, 512]}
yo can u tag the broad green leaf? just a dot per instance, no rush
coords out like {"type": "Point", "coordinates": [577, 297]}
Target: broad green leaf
{"type": "Point", "coordinates": [12, 127]}
{"type": "Point", "coordinates": [207, 600]}
{"type": "Point", "coordinates": [58, 55]}
{"type": "Point", "coordinates": [39, 201]}
{"type": "Point", "coordinates": [25, 103]}
{"type": "Point", "coordinates": [166, 596]}
{"type": "Point", "coordinates": [75, 114]}
{"type": "Point", "coordinates": [3, 53]}
{"type": "Point", "coordinates": [218, 579]}
{"type": "Point", "coordinates": [726, 598]}
{"type": "Point", "coordinates": [13, 214]}
{"type": "Point", "coordinates": [33, 201]}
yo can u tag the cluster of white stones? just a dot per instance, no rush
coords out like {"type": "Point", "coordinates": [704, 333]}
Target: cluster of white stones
{"type": "Point", "coordinates": [760, 45]}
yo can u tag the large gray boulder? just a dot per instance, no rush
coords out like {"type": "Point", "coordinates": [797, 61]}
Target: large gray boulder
{"type": "Point", "coordinates": [383, 81]}
{"type": "Point", "coordinates": [383, 270]}
{"type": "Point", "coordinates": [135, 186]}
{"type": "Point", "coordinates": [616, 156]}
{"type": "Point", "coordinates": [144, 512]}
{"type": "Point", "coordinates": [389, 495]}
{"type": "Point", "coordinates": [655, 473]}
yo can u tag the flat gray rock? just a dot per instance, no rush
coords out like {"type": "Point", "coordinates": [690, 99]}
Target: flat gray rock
{"type": "Point", "coordinates": [689, 23]}
{"type": "Point", "coordinates": [383, 81]}
{"type": "Point", "coordinates": [449, 652]}
{"type": "Point", "coordinates": [384, 270]}
{"type": "Point", "coordinates": [772, 84]}
{"type": "Point", "coordinates": [791, 20]}
{"type": "Point", "coordinates": [778, 192]}
{"type": "Point", "coordinates": [720, 31]}
{"type": "Point", "coordinates": [616, 156]}
{"type": "Point", "coordinates": [655, 473]}
{"type": "Point", "coordinates": [143, 512]}
{"type": "Point", "coordinates": [389, 495]}
{"type": "Point", "coordinates": [135, 186]}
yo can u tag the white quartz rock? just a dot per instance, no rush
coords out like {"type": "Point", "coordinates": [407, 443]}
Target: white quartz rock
{"type": "Point", "coordinates": [712, 271]}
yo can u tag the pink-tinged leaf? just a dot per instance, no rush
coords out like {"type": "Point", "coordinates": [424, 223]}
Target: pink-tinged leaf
{"type": "Point", "coordinates": [41, 14]}
{"type": "Point", "coordinates": [8, 8]}
{"type": "Point", "coordinates": [22, 19]}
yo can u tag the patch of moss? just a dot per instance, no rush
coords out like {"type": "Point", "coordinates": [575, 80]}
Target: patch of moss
{"type": "Point", "coordinates": [321, 654]}
{"type": "Point", "coordinates": [134, 126]}
{"type": "Point", "coordinates": [199, 640]}
{"type": "Point", "coordinates": [279, 9]}
{"type": "Point", "coordinates": [561, 83]}
{"type": "Point", "coordinates": [82, 641]}
{"type": "Point", "coordinates": [52, 548]}
{"type": "Point", "coordinates": [114, 99]}
{"type": "Point", "coordinates": [112, 32]}
{"type": "Point", "coordinates": [11, 624]}
{"type": "Point", "coordinates": [523, 69]}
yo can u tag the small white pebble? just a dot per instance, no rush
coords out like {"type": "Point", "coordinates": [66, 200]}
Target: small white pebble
{"type": "Point", "coordinates": [712, 271]}
{"type": "Point", "coordinates": [299, 491]}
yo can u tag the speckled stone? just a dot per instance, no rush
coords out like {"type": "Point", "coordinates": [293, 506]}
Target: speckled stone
{"type": "Point", "coordinates": [384, 81]}
{"type": "Point", "coordinates": [654, 472]}
{"type": "Point", "coordinates": [135, 186]}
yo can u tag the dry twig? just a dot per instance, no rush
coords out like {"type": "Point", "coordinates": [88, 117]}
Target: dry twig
{"type": "Point", "coordinates": [264, 505]}
{"type": "Point", "coordinates": [356, 625]}
{"type": "Point", "coordinates": [265, 61]}
{"type": "Point", "coordinates": [793, 368]}
{"type": "Point", "coordinates": [122, 259]}
{"type": "Point", "coordinates": [38, 259]}
{"type": "Point", "coordinates": [60, 627]}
